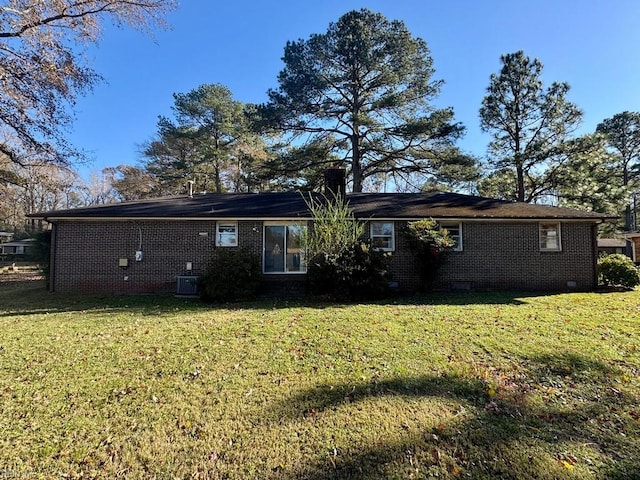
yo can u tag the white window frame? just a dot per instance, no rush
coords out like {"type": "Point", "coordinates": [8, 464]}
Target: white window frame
{"type": "Point", "coordinates": [285, 271]}
{"type": "Point", "coordinates": [219, 242]}
{"type": "Point", "coordinates": [447, 226]}
{"type": "Point", "coordinates": [543, 229]}
{"type": "Point", "coordinates": [392, 237]}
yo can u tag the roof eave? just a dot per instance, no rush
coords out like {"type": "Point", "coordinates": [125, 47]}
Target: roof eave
{"type": "Point", "coordinates": [54, 218]}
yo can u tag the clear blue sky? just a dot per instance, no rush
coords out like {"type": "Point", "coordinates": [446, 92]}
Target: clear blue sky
{"type": "Point", "coordinates": [591, 44]}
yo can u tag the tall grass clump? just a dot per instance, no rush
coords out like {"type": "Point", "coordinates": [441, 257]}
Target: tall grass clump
{"type": "Point", "coordinates": [341, 262]}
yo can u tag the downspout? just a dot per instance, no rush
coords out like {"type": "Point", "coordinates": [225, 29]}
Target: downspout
{"type": "Point", "coordinates": [594, 254]}
{"type": "Point", "coordinates": [52, 254]}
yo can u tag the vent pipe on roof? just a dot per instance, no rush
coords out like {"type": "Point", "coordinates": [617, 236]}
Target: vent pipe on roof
{"type": "Point", "coordinates": [190, 188]}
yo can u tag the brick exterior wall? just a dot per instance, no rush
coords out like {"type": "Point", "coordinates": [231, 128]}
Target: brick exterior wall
{"type": "Point", "coordinates": [506, 255]}
{"type": "Point", "coordinates": [496, 255]}
{"type": "Point", "coordinates": [636, 249]}
{"type": "Point", "coordinates": [86, 255]}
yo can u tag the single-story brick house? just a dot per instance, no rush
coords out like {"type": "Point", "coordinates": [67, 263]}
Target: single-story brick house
{"type": "Point", "coordinates": [154, 245]}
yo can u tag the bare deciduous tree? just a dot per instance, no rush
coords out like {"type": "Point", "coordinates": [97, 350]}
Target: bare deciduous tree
{"type": "Point", "coordinates": [43, 69]}
{"type": "Point", "coordinates": [36, 188]}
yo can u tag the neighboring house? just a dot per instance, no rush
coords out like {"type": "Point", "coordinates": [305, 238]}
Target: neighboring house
{"type": "Point", "coordinates": [147, 245]}
{"type": "Point", "coordinates": [634, 238]}
{"type": "Point", "coordinates": [6, 237]}
{"type": "Point", "coordinates": [607, 246]}
{"type": "Point", "coordinates": [17, 247]}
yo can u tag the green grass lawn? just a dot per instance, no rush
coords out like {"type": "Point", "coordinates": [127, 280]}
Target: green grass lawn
{"type": "Point", "coordinates": [494, 385]}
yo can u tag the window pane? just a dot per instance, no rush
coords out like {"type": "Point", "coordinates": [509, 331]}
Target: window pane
{"type": "Point", "coordinates": [549, 236]}
{"type": "Point", "coordinates": [227, 235]}
{"type": "Point", "coordinates": [294, 237]}
{"type": "Point", "coordinates": [551, 242]}
{"type": "Point", "coordinates": [383, 229]}
{"type": "Point", "coordinates": [381, 242]}
{"type": "Point", "coordinates": [294, 260]}
{"type": "Point", "coordinates": [274, 248]}
{"type": "Point", "coordinates": [454, 233]}
{"type": "Point", "coordinates": [382, 235]}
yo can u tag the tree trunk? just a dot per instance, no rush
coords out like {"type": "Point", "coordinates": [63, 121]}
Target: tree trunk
{"type": "Point", "coordinates": [627, 210]}
{"type": "Point", "coordinates": [519, 167]}
{"type": "Point", "coordinates": [356, 165]}
{"type": "Point", "coordinates": [217, 178]}
{"type": "Point", "coordinates": [216, 164]}
{"type": "Point", "coordinates": [520, 184]}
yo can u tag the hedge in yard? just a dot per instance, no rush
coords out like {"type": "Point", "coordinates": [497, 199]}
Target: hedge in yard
{"type": "Point", "coordinates": [233, 274]}
{"type": "Point", "coordinates": [618, 270]}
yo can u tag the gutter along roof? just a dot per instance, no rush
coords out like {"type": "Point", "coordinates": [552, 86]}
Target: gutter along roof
{"type": "Point", "coordinates": [291, 205]}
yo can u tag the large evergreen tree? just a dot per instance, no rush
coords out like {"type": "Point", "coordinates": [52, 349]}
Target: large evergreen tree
{"type": "Point", "coordinates": [531, 125]}
{"type": "Point", "coordinates": [623, 137]}
{"type": "Point", "coordinates": [210, 141]}
{"type": "Point", "coordinates": [592, 181]}
{"type": "Point", "coordinates": [366, 87]}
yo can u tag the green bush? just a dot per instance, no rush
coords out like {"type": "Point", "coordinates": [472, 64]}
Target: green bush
{"type": "Point", "coordinates": [358, 272]}
{"type": "Point", "coordinates": [233, 274]}
{"type": "Point", "coordinates": [430, 242]}
{"type": "Point", "coordinates": [618, 270]}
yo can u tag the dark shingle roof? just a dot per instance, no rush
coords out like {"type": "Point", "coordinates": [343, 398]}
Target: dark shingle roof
{"type": "Point", "coordinates": [292, 205]}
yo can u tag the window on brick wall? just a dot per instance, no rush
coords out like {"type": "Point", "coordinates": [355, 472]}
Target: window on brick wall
{"type": "Point", "coordinates": [550, 239]}
{"type": "Point", "coordinates": [455, 232]}
{"type": "Point", "coordinates": [283, 248]}
{"type": "Point", "coordinates": [382, 236]}
{"type": "Point", "coordinates": [227, 234]}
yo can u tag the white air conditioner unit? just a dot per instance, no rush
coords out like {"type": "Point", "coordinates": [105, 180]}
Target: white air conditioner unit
{"type": "Point", "coordinates": [187, 285]}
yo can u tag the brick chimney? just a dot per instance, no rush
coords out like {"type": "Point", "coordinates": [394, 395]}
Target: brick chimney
{"type": "Point", "coordinates": [335, 182]}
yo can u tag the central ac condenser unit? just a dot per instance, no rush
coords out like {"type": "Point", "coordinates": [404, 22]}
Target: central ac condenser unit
{"type": "Point", "coordinates": [187, 285]}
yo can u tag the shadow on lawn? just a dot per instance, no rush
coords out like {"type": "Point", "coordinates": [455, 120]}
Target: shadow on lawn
{"type": "Point", "coordinates": [503, 436]}
{"type": "Point", "coordinates": [470, 298]}
{"type": "Point", "coordinates": [440, 298]}
{"type": "Point", "coordinates": [21, 297]}
{"type": "Point", "coordinates": [31, 298]}
{"type": "Point", "coordinates": [435, 298]}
